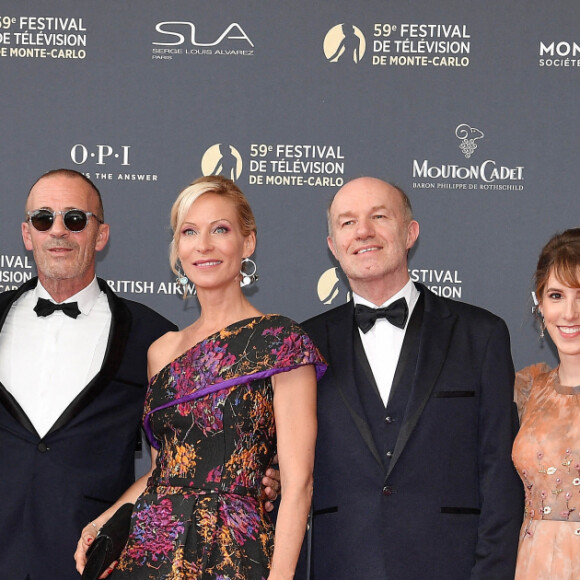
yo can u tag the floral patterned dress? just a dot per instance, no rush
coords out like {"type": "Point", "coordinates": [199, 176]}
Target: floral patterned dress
{"type": "Point", "coordinates": [210, 415]}
{"type": "Point", "coordinates": [546, 454]}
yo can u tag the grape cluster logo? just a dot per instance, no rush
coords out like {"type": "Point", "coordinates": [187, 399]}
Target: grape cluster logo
{"type": "Point", "coordinates": [468, 137]}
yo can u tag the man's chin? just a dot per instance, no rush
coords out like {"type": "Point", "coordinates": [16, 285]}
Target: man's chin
{"type": "Point", "coordinates": [59, 274]}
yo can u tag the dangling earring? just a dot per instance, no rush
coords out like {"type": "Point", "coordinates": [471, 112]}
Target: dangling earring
{"type": "Point", "coordinates": [184, 281]}
{"type": "Point", "coordinates": [248, 272]}
{"type": "Point", "coordinates": [181, 278]}
{"type": "Point", "coordinates": [538, 314]}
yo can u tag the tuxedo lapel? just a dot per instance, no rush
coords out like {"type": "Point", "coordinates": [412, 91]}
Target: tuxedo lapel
{"type": "Point", "coordinates": [118, 336]}
{"type": "Point", "coordinates": [12, 406]}
{"type": "Point", "coordinates": [8, 298]}
{"type": "Point", "coordinates": [434, 337]}
{"type": "Point", "coordinates": [6, 399]}
{"type": "Point", "coordinates": [342, 351]}
{"type": "Point", "coordinates": [362, 362]}
{"type": "Point", "coordinates": [408, 348]}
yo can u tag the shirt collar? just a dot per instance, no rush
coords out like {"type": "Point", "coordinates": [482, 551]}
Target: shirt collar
{"type": "Point", "coordinates": [409, 292]}
{"type": "Point", "coordinates": [86, 298]}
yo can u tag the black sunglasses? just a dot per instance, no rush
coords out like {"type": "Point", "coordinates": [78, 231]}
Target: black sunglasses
{"type": "Point", "coordinates": [75, 220]}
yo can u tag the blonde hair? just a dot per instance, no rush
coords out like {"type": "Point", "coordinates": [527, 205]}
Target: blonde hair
{"type": "Point", "coordinates": [218, 185]}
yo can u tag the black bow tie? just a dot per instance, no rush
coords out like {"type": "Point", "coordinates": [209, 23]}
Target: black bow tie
{"type": "Point", "coordinates": [47, 307]}
{"type": "Point", "coordinates": [396, 313]}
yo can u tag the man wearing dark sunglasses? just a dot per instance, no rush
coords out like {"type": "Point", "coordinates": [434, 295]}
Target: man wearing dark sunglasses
{"type": "Point", "coordinates": [72, 383]}
{"type": "Point", "coordinates": [75, 220]}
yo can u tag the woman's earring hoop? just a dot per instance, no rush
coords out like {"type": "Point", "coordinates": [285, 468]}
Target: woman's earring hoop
{"type": "Point", "coordinates": [248, 272]}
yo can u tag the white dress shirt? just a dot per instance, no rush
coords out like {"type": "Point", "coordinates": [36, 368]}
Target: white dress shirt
{"type": "Point", "coordinates": [383, 342]}
{"type": "Point", "coordinates": [45, 362]}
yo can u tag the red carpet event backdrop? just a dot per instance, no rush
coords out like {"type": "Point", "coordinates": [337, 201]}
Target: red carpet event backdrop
{"type": "Point", "coordinates": [470, 106]}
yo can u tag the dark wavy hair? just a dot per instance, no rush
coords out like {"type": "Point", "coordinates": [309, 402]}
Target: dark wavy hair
{"type": "Point", "coordinates": [560, 256]}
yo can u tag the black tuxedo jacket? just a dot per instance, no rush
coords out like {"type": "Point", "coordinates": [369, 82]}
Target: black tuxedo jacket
{"type": "Point", "coordinates": [446, 504]}
{"type": "Point", "coordinates": [51, 487]}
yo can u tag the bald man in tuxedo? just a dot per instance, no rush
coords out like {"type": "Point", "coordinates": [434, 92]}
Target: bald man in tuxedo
{"type": "Point", "coordinates": [73, 374]}
{"type": "Point", "coordinates": [413, 476]}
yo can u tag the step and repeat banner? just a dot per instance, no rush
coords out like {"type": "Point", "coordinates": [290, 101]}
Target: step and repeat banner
{"type": "Point", "coordinates": [470, 106]}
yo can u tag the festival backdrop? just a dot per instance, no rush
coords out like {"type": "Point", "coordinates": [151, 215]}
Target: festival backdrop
{"type": "Point", "coordinates": [470, 106]}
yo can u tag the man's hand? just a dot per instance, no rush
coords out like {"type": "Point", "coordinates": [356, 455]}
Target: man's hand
{"type": "Point", "coordinates": [271, 484]}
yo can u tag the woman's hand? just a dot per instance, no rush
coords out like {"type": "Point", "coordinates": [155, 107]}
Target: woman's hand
{"type": "Point", "coordinates": [90, 531]}
{"type": "Point", "coordinates": [88, 536]}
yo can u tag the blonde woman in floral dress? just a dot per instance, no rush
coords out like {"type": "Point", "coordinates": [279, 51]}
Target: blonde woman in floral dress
{"type": "Point", "coordinates": [225, 394]}
{"type": "Point", "coordinates": [546, 451]}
